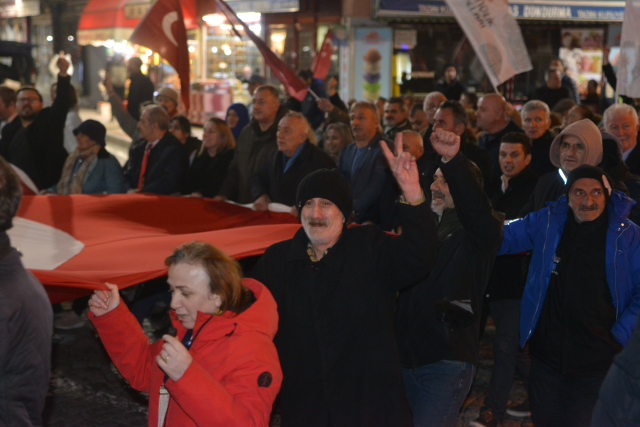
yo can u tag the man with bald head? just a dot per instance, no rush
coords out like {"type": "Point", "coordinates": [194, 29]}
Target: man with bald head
{"type": "Point", "coordinates": [492, 118]}
{"type": "Point", "coordinates": [295, 158]}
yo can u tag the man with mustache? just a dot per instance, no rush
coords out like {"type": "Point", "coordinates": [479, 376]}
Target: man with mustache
{"type": "Point", "coordinates": [437, 320]}
{"type": "Point", "coordinates": [336, 290]}
{"type": "Point", "coordinates": [582, 295]}
{"type": "Point", "coordinates": [578, 144]}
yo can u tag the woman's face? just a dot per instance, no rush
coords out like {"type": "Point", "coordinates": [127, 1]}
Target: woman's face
{"type": "Point", "coordinates": [211, 136]}
{"type": "Point", "coordinates": [333, 142]}
{"type": "Point", "coordinates": [174, 128]}
{"type": "Point", "coordinates": [232, 119]}
{"type": "Point", "coordinates": [84, 142]}
{"type": "Point", "coordinates": [189, 286]}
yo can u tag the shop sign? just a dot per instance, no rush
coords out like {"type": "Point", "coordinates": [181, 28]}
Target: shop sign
{"type": "Point", "coordinates": [405, 39]}
{"type": "Point", "coordinates": [136, 10]}
{"type": "Point", "coordinates": [264, 6]}
{"type": "Point", "coordinates": [19, 9]}
{"type": "Point", "coordinates": [551, 10]}
{"type": "Point", "coordinates": [372, 63]}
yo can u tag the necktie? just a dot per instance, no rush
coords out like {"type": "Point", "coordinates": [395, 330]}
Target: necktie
{"type": "Point", "coordinates": [143, 168]}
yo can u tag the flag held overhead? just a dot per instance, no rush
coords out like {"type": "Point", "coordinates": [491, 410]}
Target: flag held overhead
{"type": "Point", "coordinates": [322, 62]}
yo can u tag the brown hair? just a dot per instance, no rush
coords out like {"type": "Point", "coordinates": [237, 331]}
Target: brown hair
{"type": "Point", "coordinates": [224, 273]}
{"type": "Point", "coordinates": [224, 131]}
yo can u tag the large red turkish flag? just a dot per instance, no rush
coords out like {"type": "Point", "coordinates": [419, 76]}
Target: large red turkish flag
{"type": "Point", "coordinates": [322, 62]}
{"type": "Point", "coordinates": [162, 30]}
{"type": "Point", "coordinates": [127, 237]}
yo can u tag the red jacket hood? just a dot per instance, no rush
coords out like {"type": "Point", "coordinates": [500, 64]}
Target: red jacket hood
{"type": "Point", "coordinates": [261, 316]}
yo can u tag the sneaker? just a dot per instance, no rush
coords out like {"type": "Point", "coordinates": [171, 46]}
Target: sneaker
{"type": "Point", "coordinates": [486, 419]}
{"type": "Point", "coordinates": [520, 411]}
{"type": "Point", "coordinates": [70, 320]}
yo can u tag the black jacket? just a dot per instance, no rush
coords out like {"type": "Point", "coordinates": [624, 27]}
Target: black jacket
{"type": "Point", "coordinates": [281, 186]}
{"type": "Point", "coordinates": [551, 96]}
{"type": "Point", "coordinates": [550, 186]}
{"type": "Point", "coordinates": [45, 138]}
{"type": "Point", "coordinates": [206, 174]}
{"type": "Point", "coordinates": [491, 143]}
{"type": "Point", "coordinates": [26, 322]}
{"type": "Point", "coordinates": [633, 159]}
{"type": "Point", "coordinates": [465, 256]}
{"type": "Point", "coordinates": [166, 166]}
{"type": "Point", "coordinates": [540, 160]}
{"type": "Point", "coordinates": [392, 132]}
{"type": "Point", "coordinates": [140, 90]}
{"type": "Point", "coordinates": [253, 147]}
{"type": "Point", "coordinates": [453, 90]}
{"type": "Point", "coordinates": [509, 274]}
{"type": "Point", "coordinates": [335, 337]}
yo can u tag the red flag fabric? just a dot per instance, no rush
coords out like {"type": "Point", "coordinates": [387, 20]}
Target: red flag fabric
{"type": "Point", "coordinates": [127, 237]}
{"type": "Point", "coordinates": [162, 30]}
{"type": "Point", "coordinates": [322, 62]}
{"type": "Point", "coordinates": [287, 77]}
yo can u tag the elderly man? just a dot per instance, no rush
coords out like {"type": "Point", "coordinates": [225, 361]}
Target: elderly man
{"type": "Point", "coordinates": [621, 120]}
{"type": "Point", "coordinates": [295, 158]}
{"type": "Point", "coordinates": [254, 145]}
{"type": "Point", "coordinates": [492, 119]}
{"type": "Point", "coordinates": [396, 117]}
{"type": "Point", "coordinates": [7, 106]}
{"type": "Point", "coordinates": [582, 295]}
{"type": "Point", "coordinates": [508, 278]}
{"type": "Point", "coordinates": [26, 322]}
{"type": "Point", "coordinates": [552, 91]}
{"type": "Point", "coordinates": [140, 87]}
{"type": "Point", "coordinates": [437, 320]}
{"type": "Point", "coordinates": [336, 290]}
{"type": "Point", "coordinates": [578, 144]}
{"type": "Point", "coordinates": [418, 119]}
{"type": "Point", "coordinates": [157, 163]}
{"type": "Point", "coordinates": [536, 122]}
{"type": "Point", "coordinates": [362, 162]}
{"type": "Point", "coordinates": [450, 85]}
{"type": "Point", "coordinates": [168, 99]}
{"type": "Point", "coordinates": [35, 141]}
{"type": "Point", "coordinates": [431, 103]}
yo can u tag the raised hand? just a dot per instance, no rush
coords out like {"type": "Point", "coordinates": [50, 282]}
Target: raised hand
{"type": "Point", "coordinates": [325, 105]}
{"type": "Point", "coordinates": [445, 143]}
{"type": "Point", "coordinates": [102, 302]}
{"type": "Point", "coordinates": [606, 49]}
{"type": "Point", "coordinates": [63, 64]}
{"type": "Point", "coordinates": [404, 169]}
{"type": "Point", "coordinates": [174, 359]}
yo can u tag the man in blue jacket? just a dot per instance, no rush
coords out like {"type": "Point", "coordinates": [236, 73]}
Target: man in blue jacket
{"type": "Point", "coordinates": [582, 295]}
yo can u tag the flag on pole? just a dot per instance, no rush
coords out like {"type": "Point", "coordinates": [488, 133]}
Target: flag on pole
{"type": "Point", "coordinates": [495, 37]}
{"type": "Point", "coordinates": [162, 30]}
{"type": "Point", "coordinates": [287, 77]}
{"type": "Point", "coordinates": [629, 66]}
{"type": "Point", "coordinates": [322, 62]}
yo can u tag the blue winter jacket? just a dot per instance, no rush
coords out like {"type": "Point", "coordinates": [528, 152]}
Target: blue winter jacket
{"type": "Point", "coordinates": [540, 231]}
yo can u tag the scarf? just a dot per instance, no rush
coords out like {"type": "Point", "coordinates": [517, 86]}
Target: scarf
{"type": "Point", "coordinates": [243, 118]}
{"type": "Point", "coordinates": [66, 187]}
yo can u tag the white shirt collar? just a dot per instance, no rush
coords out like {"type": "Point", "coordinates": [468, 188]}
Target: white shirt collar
{"type": "Point", "coordinates": [154, 143]}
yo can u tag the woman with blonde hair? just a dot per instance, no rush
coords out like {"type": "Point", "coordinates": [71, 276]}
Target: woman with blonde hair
{"type": "Point", "coordinates": [210, 166]}
{"type": "Point", "coordinates": [222, 368]}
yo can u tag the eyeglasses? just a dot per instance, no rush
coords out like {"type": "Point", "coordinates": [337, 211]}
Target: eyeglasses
{"type": "Point", "coordinates": [579, 147]}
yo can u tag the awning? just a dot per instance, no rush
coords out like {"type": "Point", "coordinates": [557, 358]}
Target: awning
{"type": "Point", "coordinates": [548, 10]}
{"type": "Point", "coordinates": [116, 19]}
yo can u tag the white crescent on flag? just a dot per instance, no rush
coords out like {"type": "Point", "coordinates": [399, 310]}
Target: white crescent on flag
{"type": "Point", "coordinates": [167, 21]}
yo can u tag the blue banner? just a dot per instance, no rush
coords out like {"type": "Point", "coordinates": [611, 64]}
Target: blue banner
{"type": "Point", "coordinates": [264, 6]}
{"type": "Point", "coordinates": [549, 10]}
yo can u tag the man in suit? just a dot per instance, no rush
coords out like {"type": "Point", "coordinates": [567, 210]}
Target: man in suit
{"type": "Point", "coordinates": [621, 120]}
{"type": "Point", "coordinates": [157, 163]}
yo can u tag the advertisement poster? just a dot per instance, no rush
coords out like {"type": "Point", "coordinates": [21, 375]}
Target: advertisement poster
{"type": "Point", "coordinates": [372, 63]}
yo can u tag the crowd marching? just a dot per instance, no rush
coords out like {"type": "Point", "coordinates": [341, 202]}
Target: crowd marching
{"type": "Point", "coordinates": [525, 215]}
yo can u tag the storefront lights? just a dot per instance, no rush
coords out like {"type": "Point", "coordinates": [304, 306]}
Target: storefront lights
{"type": "Point", "coordinates": [192, 49]}
{"type": "Point", "coordinates": [70, 38]}
{"type": "Point", "coordinates": [214, 20]}
{"type": "Point", "coordinates": [49, 38]}
{"type": "Point", "coordinates": [214, 49]}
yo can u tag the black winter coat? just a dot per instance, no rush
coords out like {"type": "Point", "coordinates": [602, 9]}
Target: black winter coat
{"type": "Point", "coordinates": [540, 160]}
{"type": "Point", "coordinates": [206, 174]}
{"type": "Point", "coordinates": [45, 137]}
{"type": "Point", "coordinates": [550, 186]}
{"type": "Point", "coordinates": [461, 271]}
{"type": "Point", "coordinates": [281, 186]}
{"type": "Point", "coordinates": [26, 322]}
{"type": "Point", "coordinates": [140, 90]}
{"type": "Point", "coordinates": [335, 337]}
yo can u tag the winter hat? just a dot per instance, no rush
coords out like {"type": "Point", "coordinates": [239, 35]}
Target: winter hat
{"type": "Point", "coordinates": [94, 130]}
{"type": "Point", "coordinates": [592, 172]}
{"type": "Point", "coordinates": [326, 184]}
{"type": "Point", "coordinates": [587, 132]}
{"type": "Point", "coordinates": [169, 93]}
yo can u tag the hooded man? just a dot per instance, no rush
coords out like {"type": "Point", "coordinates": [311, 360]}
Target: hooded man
{"type": "Point", "coordinates": [582, 295]}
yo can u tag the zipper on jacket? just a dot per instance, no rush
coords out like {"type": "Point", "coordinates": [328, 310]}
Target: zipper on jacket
{"type": "Point", "coordinates": [615, 272]}
{"type": "Point", "coordinates": [544, 248]}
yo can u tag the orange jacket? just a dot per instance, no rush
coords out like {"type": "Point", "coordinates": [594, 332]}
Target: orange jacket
{"type": "Point", "coordinates": [235, 374]}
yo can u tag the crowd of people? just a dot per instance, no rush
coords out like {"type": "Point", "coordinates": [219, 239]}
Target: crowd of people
{"type": "Point", "coordinates": [527, 215]}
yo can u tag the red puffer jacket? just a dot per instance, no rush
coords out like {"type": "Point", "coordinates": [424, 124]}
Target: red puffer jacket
{"type": "Point", "coordinates": [235, 374]}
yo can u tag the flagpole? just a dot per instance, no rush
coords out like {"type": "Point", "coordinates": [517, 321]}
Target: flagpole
{"type": "Point", "coordinates": [314, 95]}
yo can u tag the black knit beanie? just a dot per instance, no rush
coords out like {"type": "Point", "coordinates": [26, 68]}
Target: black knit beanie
{"type": "Point", "coordinates": [593, 172]}
{"type": "Point", "coordinates": [326, 184]}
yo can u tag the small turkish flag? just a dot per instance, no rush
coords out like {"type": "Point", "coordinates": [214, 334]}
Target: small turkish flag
{"type": "Point", "coordinates": [162, 30]}
{"type": "Point", "coordinates": [322, 62]}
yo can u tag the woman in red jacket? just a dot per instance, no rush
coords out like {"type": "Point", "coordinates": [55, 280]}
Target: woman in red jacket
{"type": "Point", "coordinates": [222, 369]}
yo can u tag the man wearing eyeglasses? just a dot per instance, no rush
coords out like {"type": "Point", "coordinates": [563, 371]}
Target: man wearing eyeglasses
{"type": "Point", "coordinates": [34, 140]}
{"type": "Point", "coordinates": [578, 144]}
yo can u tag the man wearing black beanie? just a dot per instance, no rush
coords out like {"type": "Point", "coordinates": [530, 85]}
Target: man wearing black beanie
{"type": "Point", "coordinates": [582, 296]}
{"type": "Point", "coordinates": [336, 290]}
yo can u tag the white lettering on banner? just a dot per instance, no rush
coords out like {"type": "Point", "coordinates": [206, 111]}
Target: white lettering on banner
{"type": "Point", "coordinates": [549, 12]}
{"type": "Point", "coordinates": [481, 12]}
